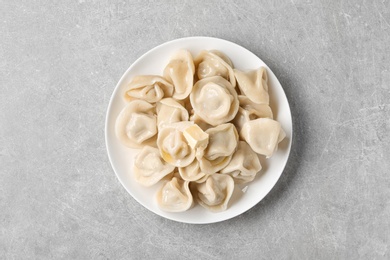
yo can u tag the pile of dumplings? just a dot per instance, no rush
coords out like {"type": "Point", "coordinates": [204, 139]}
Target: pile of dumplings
{"type": "Point", "coordinates": [200, 128]}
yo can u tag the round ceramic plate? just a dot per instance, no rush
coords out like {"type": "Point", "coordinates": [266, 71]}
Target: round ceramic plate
{"type": "Point", "coordinates": [244, 196]}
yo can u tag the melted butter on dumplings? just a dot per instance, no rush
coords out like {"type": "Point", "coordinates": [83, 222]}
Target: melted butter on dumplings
{"type": "Point", "coordinates": [149, 167]}
{"type": "Point", "coordinates": [173, 146]}
{"type": "Point", "coordinates": [195, 118]}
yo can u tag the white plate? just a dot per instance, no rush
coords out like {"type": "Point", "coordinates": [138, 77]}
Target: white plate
{"type": "Point", "coordinates": [121, 158]}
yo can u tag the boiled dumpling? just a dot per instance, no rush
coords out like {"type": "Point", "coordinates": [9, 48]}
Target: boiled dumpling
{"type": "Point", "coordinates": [214, 194]}
{"type": "Point", "coordinates": [214, 63]}
{"type": "Point", "coordinates": [214, 100]}
{"type": "Point", "coordinates": [257, 110]}
{"type": "Point", "coordinates": [281, 136]}
{"type": "Point", "coordinates": [203, 179]}
{"type": "Point", "coordinates": [136, 124]}
{"type": "Point", "coordinates": [195, 115]}
{"type": "Point", "coordinates": [180, 71]}
{"type": "Point", "coordinates": [254, 85]}
{"type": "Point", "coordinates": [244, 165]}
{"type": "Point", "coordinates": [263, 135]}
{"type": "Point", "coordinates": [173, 146]}
{"type": "Point", "coordinates": [170, 111]}
{"type": "Point", "coordinates": [192, 172]}
{"type": "Point", "coordinates": [175, 196]}
{"type": "Point", "coordinates": [241, 118]}
{"type": "Point", "coordinates": [150, 88]}
{"type": "Point", "coordinates": [200, 122]}
{"type": "Point", "coordinates": [223, 141]}
{"type": "Point", "coordinates": [212, 166]}
{"type": "Point", "coordinates": [187, 105]}
{"type": "Point", "coordinates": [249, 110]}
{"type": "Point", "coordinates": [149, 167]}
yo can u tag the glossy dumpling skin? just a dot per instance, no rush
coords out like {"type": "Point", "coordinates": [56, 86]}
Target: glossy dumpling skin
{"type": "Point", "coordinates": [214, 194]}
{"type": "Point", "coordinates": [263, 135]}
{"type": "Point", "coordinates": [200, 122]}
{"type": "Point", "coordinates": [249, 110]}
{"type": "Point", "coordinates": [244, 165]}
{"type": "Point", "coordinates": [173, 146]}
{"type": "Point", "coordinates": [180, 71]}
{"type": "Point", "coordinates": [136, 124]}
{"type": "Point", "coordinates": [149, 167]}
{"type": "Point", "coordinates": [241, 118]}
{"type": "Point", "coordinates": [223, 141]}
{"type": "Point", "coordinates": [175, 196]}
{"type": "Point", "coordinates": [170, 111]}
{"type": "Point", "coordinates": [254, 85]}
{"type": "Point", "coordinates": [214, 100]}
{"type": "Point", "coordinates": [257, 110]}
{"type": "Point", "coordinates": [192, 172]}
{"type": "Point", "coordinates": [150, 88]}
{"type": "Point", "coordinates": [214, 63]}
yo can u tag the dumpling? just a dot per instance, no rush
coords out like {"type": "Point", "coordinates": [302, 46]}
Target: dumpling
{"type": "Point", "coordinates": [173, 146]}
{"type": "Point", "coordinates": [180, 71]}
{"type": "Point", "coordinates": [281, 136]}
{"type": "Point", "coordinates": [250, 111]}
{"type": "Point", "coordinates": [214, 194]}
{"type": "Point", "coordinates": [223, 141]}
{"type": "Point", "coordinates": [199, 121]}
{"type": "Point", "coordinates": [203, 179]}
{"type": "Point", "coordinates": [214, 63]}
{"type": "Point", "coordinates": [170, 111]}
{"type": "Point", "coordinates": [214, 100]}
{"type": "Point", "coordinates": [149, 167]}
{"type": "Point", "coordinates": [256, 110]}
{"type": "Point", "coordinates": [150, 88]}
{"type": "Point", "coordinates": [192, 172]}
{"type": "Point", "coordinates": [241, 118]}
{"type": "Point", "coordinates": [187, 105]}
{"type": "Point", "coordinates": [175, 196]}
{"type": "Point", "coordinates": [244, 165]}
{"type": "Point", "coordinates": [254, 85]}
{"type": "Point", "coordinates": [263, 135]}
{"type": "Point", "coordinates": [136, 124]}
{"type": "Point", "coordinates": [209, 166]}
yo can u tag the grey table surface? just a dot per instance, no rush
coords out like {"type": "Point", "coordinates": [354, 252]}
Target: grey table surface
{"type": "Point", "coordinates": [60, 62]}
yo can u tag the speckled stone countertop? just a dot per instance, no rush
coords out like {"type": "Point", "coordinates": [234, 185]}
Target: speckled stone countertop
{"type": "Point", "coordinates": [60, 62]}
